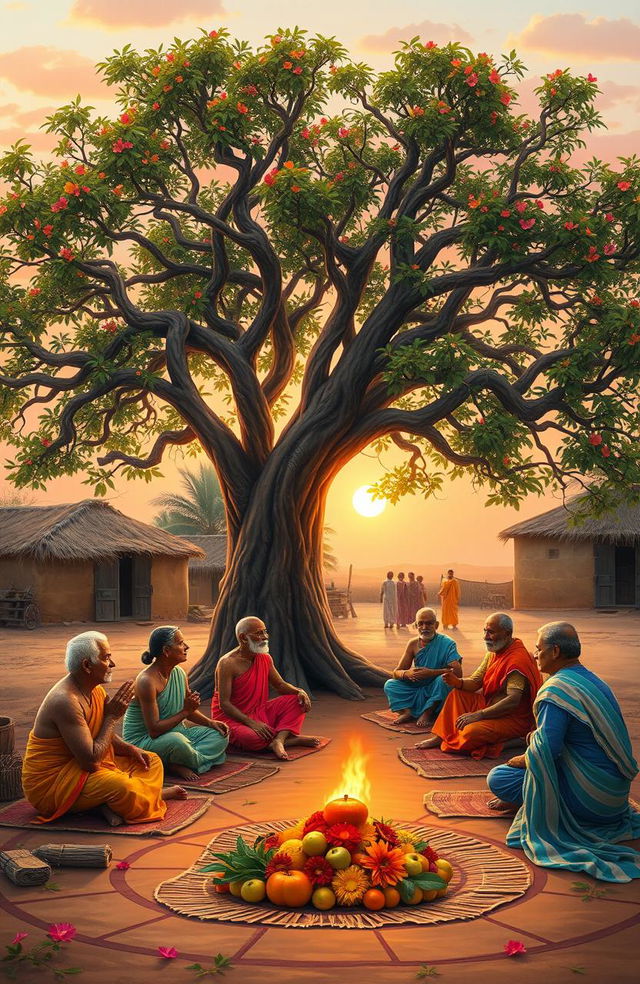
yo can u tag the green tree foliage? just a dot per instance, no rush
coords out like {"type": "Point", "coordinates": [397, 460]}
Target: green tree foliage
{"type": "Point", "coordinates": [199, 510]}
{"type": "Point", "coordinates": [283, 233]}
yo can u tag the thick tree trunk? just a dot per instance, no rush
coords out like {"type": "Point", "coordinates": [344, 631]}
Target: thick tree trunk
{"type": "Point", "coordinates": [274, 571]}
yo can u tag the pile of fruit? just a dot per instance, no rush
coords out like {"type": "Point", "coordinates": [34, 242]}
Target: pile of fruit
{"type": "Point", "coordinates": [335, 857]}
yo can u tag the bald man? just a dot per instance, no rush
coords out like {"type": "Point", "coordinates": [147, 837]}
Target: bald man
{"type": "Point", "coordinates": [241, 698]}
{"type": "Point", "coordinates": [571, 787]}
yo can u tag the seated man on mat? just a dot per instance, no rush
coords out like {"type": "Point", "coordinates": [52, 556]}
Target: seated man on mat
{"type": "Point", "coordinates": [417, 690]}
{"type": "Point", "coordinates": [571, 787]}
{"type": "Point", "coordinates": [74, 761]}
{"type": "Point", "coordinates": [483, 723]}
{"type": "Point", "coordinates": [241, 697]}
{"type": "Point", "coordinates": [155, 718]}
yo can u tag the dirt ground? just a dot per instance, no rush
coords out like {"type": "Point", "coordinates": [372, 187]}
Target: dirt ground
{"type": "Point", "coordinates": [120, 926]}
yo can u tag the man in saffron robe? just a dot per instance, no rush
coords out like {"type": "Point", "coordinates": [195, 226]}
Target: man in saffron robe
{"type": "Point", "coordinates": [417, 690]}
{"type": "Point", "coordinates": [241, 697]}
{"type": "Point", "coordinates": [403, 603]}
{"type": "Point", "coordinates": [74, 761]}
{"type": "Point", "coordinates": [389, 601]}
{"type": "Point", "coordinates": [491, 709]}
{"type": "Point", "coordinates": [571, 787]}
{"type": "Point", "coordinates": [449, 595]}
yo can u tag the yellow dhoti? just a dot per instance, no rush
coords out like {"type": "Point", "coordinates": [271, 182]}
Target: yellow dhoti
{"type": "Point", "coordinates": [54, 783]}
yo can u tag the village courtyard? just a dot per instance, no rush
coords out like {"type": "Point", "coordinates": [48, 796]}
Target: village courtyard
{"type": "Point", "coordinates": [568, 931]}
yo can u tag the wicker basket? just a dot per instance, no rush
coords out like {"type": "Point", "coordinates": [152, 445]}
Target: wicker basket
{"type": "Point", "coordinates": [23, 868]}
{"type": "Point", "coordinates": [7, 735]}
{"type": "Point", "coordinates": [10, 777]}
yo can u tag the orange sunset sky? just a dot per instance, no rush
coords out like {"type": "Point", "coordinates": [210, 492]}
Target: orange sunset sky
{"type": "Point", "coordinates": [47, 52]}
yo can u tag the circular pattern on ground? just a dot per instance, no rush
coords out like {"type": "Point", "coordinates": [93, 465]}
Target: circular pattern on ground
{"type": "Point", "coordinates": [485, 877]}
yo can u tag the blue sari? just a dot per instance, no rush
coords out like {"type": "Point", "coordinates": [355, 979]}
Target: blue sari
{"type": "Point", "coordinates": [424, 694]}
{"type": "Point", "coordinates": [546, 827]}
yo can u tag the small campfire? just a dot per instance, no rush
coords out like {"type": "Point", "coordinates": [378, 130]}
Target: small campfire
{"type": "Point", "coordinates": [338, 856]}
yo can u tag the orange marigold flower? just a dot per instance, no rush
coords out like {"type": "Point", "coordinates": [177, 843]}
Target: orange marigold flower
{"type": "Point", "coordinates": [385, 864]}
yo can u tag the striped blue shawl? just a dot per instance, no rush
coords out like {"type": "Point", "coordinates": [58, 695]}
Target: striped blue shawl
{"type": "Point", "coordinates": [544, 826]}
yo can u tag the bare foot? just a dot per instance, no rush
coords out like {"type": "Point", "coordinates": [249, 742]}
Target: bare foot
{"type": "Point", "coordinates": [403, 717]}
{"type": "Point", "coordinates": [433, 742]}
{"type": "Point", "coordinates": [502, 805]}
{"type": "Point", "coordinates": [309, 741]}
{"type": "Point", "coordinates": [184, 772]}
{"type": "Point", "coordinates": [113, 819]}
{"type": "Point", "coordinates": [425, 720]}
{"type": "Point", "coordinates": [277, 747]}
{"type": "Point", "coordinates": [174, 793]}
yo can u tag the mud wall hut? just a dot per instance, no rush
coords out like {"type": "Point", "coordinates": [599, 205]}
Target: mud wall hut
{"type": "Point", "coordinates": [89, 562]}
{"type": "Point", "coordinates": [205, 572]}
{"type": "Point", "coordinates": [594, 564]}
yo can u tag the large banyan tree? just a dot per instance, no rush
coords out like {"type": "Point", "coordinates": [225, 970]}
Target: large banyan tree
{"type": "Point", "coordinates": [279, 258]}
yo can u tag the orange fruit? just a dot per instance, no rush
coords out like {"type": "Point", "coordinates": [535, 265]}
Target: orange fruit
{"type": "Point", "coordinates": [416, 898]}
{"type": "Point", "coordinates": [373, 898]}
{"type": "Point", "coordinates": [445, 870]}
{"type": "Point", "coordinates": [425, 862]}
{"type": "Point", "coordinates": [291, 833]}
{"type": "Point", "coordinates": [323, 898]}
{"type": "Point", "coordinates": [235, 888]}
{"type": "Point", "coordinates": [430, 896]}
{"type": "Point", "coordinates": [441, 893]}
{"type": "Point", "coordinates": [391, 897]}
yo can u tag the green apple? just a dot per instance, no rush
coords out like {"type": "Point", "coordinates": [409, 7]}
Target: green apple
{"type": "Point", "coordinates": [413, 864]}
{"type": "Point", "coordinates": [314, 843]}
{"type": "Point", "coordinates": [339, 858]}
{"type": "Point", "coordinates": [253, 890]}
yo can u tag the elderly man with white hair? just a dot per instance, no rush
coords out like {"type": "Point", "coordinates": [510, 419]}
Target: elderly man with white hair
{"type": "Point", "coordinates": [241, 697]}
{"type": "Point", "coordinates": [493, 708]}
{"type": "Point", "coordinates": [74, 760]}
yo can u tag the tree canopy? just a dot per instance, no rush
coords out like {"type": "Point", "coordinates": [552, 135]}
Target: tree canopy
{"type": "Point", "coordinates": [399, 256]}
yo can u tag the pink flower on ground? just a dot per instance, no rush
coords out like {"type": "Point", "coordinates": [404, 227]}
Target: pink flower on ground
{"type": "Point", "coordinates": [514, 948]}
{"type": "Point", "coordinates": [167, 952]}
{"type": "Point", "coordinates": [123, 866]}
{"type": "Point", "coordinates": [62, 932]}
{"type": "Point", "coordinates": [18, 938]}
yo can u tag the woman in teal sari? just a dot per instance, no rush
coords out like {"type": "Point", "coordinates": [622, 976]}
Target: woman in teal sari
{"type": "Point", "coordinates": [155, 718]}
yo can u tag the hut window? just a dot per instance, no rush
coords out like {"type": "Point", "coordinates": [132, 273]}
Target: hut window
{"type": "Point", "coordinates": [553, 553]}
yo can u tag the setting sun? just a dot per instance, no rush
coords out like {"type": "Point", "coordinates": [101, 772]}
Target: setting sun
{"type": "Point", "coordinates": [365, 504]}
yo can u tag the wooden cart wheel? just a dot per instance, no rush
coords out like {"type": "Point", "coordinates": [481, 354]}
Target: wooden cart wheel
{"type": "Point", "coordinates": [31, 616]}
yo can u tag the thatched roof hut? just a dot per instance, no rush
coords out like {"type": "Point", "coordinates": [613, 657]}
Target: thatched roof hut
{"type": "Point", "coordinates": [88, 561]}
{"type": "Point", "coordinates": [562, 564]}
{"type": "Point", "coordinates": [205, 572]}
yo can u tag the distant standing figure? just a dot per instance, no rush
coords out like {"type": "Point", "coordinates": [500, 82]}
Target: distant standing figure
{"type": "Point", "coordinates": [403, 608]}
{"type": "Point", "coordinates": [389, 600]}
{"type": "Point", "coordinates": [413, 598]}
{"type": "Point", "coordinates": [423, 590]}
{"type": "Point", "coordinates": [449, 594]}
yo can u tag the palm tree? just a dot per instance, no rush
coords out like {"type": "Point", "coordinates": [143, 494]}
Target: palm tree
{"type": "Point", "coordinates": [199, 511]}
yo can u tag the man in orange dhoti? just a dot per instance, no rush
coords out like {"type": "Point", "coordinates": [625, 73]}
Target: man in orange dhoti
{"type": "Point", "coordinates": [449, 594]}
{"type": "Point", "coordinates": [74, 761]}
{"type": "Point", "coordinates": [483, 724]}
{"type": "Point", "coordinates": [241, 697]}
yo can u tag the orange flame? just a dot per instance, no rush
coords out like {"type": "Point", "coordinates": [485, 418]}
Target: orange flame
{"type": "Point", "coordinates": [354, 781]}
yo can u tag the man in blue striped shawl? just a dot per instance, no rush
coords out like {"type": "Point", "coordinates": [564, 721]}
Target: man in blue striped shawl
{"type": "Point", "coordinates": [571, 787]}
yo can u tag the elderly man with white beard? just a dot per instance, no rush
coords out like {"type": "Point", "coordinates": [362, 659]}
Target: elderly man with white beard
{"type": "Point", "coordinates": [241, 697]}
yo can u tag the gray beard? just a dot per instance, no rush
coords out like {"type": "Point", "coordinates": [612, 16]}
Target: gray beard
{"type": "Point", "coordinates": [258, 647]}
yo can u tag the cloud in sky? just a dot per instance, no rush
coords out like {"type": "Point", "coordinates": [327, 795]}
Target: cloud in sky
{"type": "Point", "coordinates": [573, 36]}
{"type": "Point", "coordinates": [39, 140]}
{"type": "Point", "coordinates": [142, 13]}
{"type": "Point", "coordinates": [427, 30]}
{"type": "Point", "coordinates": [51, 72]}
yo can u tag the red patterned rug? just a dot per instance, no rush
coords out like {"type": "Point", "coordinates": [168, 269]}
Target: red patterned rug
{"type": "Point", "coordinates": [209, 780]}
{"type": "Point", "coordinates": [386, 718]}
{"type": "Point", "coordinates": [180, 813]}
{"type": "Point", "coordinates": [467, 803]}
{"type": "Point", "coordinates": [434, 764]}
{"type": "Point", "coordinates": [297, 752]}
{"type": "Point", "coordinates": [257, 772]}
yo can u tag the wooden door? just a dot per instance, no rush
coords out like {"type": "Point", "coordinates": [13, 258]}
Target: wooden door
{"type": "Point", "coordinates": [605, 574]}
{"type": "Point", "coordinates": [107, 591]}
{"type": "Point", "coordinates": [142, 587]}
